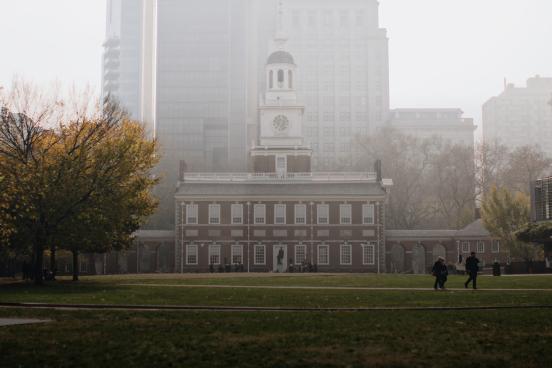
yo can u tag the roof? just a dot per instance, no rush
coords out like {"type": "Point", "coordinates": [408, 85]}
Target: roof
{"type": "Point", "coordinates": [272, 189]}
{"type": "Point", "coordinates": [280, 57]}
{"type": "Point", "coordinates": [475, 229]}
{"type": "Point", "coordinates": [421, 234]}
{"type": "Point", "coordinates": [154, 234]}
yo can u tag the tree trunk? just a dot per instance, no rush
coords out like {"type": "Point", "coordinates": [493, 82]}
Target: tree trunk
{"type": "Point", "coordinates": [53, 265]}
{"type": "Point", "coordinates": [75, 265]}
{"type": "Point", "coordinates": [37, 264]}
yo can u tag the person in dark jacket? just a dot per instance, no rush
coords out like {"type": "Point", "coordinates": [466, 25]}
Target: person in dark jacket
{"type": "Point", "coordinates": [472, 267]}
{"type": "Point", "coordinates": [440, 272]}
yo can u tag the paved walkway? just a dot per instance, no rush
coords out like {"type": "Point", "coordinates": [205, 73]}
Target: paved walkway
{"type": "Point", "coordinates": [214, 308]}
{"type": "Point", "coordinates": [20, 321]}
{"type": "Point", "coordinates": [360, 288]}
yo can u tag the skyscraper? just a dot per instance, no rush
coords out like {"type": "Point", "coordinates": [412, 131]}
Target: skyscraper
{"type": "Point", "coordinates": [343, 54]}
{"type": "Point", "coordinates": [521, 115]}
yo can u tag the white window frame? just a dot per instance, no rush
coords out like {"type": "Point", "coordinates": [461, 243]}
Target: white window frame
{"type": "Point", "coordinates": [192, 209]}
{"type": "Point", "coordinates": [319, 210]}
{"type": "Point", "coordinates": [466, 246]}
{"type": "Point", "coordinates": [258, 210]}
{"type": "Point", "coordinates": [368, 212]}
{"type": "Point", "coordinates": [297, 248]}
{"type": "Point", "coordinates": [300, 213]}
{"type": "Point", "coordinates": [495, 246]}
{"type": "Point", "coordinates": [214, 214]}
{"type": "Point", "coordinates": [480, 247]}
{"type": "Point", "coordinates": [345, 209]}
{"type": "Point", "coordinates": [255, 254]}
{"type": "Point", "coordinates": [281, 170]}
{"type": "Point", "coordinates": [236, 211]}
{"type": "Point", "coordinates": [280, 207]}
{"type": "Point", "coordinates": [215, 250]}
{"type": "Point", "coordinates": [236, 251]}
{"type": "Point", "coordinates": [196, 254]}
{"type": "Point", "coordinates": [367, 251]}
{"type": "Point", "coordinates": [342, 249]}
{"type": "Point", "coordinates": [327, 247]}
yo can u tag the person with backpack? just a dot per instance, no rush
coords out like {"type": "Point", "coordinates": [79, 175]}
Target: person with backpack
{"type": "Point", "coordinates": [472, 267]}
{"type": "Point", "coordinates": [440, 272]}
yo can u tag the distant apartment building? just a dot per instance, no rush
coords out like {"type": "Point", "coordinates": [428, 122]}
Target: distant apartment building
{"type": "Point", "coordinates": [541, 200]}
{"type": "Point", "coordinates": [521, 115]}
{"type": "Point", "coordinates": [448, 124]}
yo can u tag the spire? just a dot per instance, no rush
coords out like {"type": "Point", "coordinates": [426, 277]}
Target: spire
{"type": "Point", "coordinates": [281, 38]}
{"type": "Point", "coordinates": [280, 25]}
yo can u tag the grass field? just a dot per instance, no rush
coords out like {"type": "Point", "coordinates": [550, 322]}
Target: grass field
{"type": "Point", "coordinates": [476, 338]}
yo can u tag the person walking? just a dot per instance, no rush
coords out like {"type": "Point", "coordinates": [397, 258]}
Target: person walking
{"type": "Point", "coordinates": [440, 272]}
{"type": "Point", "coordinates": [472, 267]}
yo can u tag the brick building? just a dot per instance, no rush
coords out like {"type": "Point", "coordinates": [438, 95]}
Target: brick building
{"type": "Point", "coordinates": [415, 251]}
{"type": "Point", "coordinates": [280, 215]}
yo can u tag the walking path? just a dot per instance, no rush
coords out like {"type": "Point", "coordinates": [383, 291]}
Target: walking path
{"type": "Point", "coordinates": [20, 321]}
{"type": "Point", "coordinates": [320, 287]}
{"type": "Point", "coordinates": [196, 308]}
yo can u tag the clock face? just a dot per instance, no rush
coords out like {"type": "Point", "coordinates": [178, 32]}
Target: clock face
{"type": "Point", "coordinates": [280, 123]}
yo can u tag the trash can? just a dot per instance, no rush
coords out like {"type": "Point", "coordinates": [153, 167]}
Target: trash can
{"type": "Point", "coordinates": [496, 269]}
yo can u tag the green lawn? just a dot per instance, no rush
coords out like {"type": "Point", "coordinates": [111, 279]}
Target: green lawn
{"type": "Point", "coordinates": [164, 290]}
{"type": "Point", "coordinates": [476, 338]}
{"type": "Point", "coordinates": [505, 338]}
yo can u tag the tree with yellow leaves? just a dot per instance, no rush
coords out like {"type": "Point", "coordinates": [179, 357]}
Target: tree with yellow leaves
{"type": "Point", "coordinates": [78, 174]}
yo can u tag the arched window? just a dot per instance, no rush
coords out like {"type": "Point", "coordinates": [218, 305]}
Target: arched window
{"type": "Point", "coordinates": [271, 79]}
{"type": "Point", "coordinates": [280, 78]}
{"type": "Point", "coordinates": [290, 79]}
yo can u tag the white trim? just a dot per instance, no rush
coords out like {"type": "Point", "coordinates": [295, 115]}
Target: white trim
{"type": "Point", "coordinates": [368, 211]}
{"type": "Point", "coordinates": [480, 246]}
{"type": "Point", "coordinates": [341, 248]}
{"type": "Point", "coordinates": [495, 246]}
{"type": "Point", "coordinates": [318, 211]}
{"type": "Point", "coordinates": [365, 255]}
{"type": "Point", "coordinates": [326, 246]}
{"type": "Point", "coordinates": [255, 247]}
{"type": "Point", "coordinates": [188, 247]}
{"type": "Point", "coordinates": [239, 208]}
{"type": "Point", "coordinates": [261, 207]}
{"type": "Point", "coordinates": [304, 247]}
{"type": "Point", "coordinates": [214, 214]}
{"type": "Point", "coordinates": [466, 246]}
{"type": "Point", "coordinates": [233, 248]}
{"type": "Point", "coordinates": [303, 210]}
{"type": "Point", "coordinates": [213, 252]}
{"type": "Point", "coordinates": [194, 209]}
{"type": "Point", "coordinates": [344, 210]}
{"type": "Point", "coordinates": [280, 206]}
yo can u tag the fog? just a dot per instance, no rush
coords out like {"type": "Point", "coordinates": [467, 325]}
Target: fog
{"type": "Point", "coordinates": [451, 53]}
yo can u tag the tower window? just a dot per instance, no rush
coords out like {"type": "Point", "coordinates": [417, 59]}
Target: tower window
{"type": "Point", "coordinates": [271, 79]}
{"type": "Point", "coordinates": [280, 78]}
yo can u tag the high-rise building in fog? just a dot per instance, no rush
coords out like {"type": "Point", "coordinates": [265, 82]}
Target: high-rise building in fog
{"type": "Point", "coordinates": [129, 58]}
{"type": "Point", "coordinates": [448, 124]}
{"type": "Point", "coordinates": [343, 55]}
{"type": "Point", "coordinates": [521, 115]}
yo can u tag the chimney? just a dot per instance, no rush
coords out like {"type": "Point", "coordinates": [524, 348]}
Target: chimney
{"type": "Point", "coordinates": [377, 169]}
{"type": "Point", "coordinates": [183, 169]}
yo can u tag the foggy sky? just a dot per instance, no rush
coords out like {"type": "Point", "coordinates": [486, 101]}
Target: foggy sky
{"type": "Point", "coordinates": [443, 53]}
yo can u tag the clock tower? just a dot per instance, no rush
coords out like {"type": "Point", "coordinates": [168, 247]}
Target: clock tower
{"type": "Point", "coordinates": [280, 148]}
